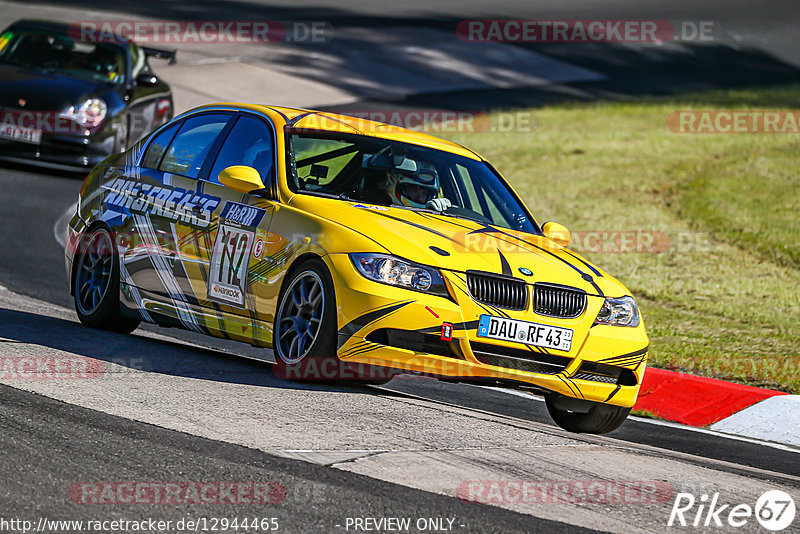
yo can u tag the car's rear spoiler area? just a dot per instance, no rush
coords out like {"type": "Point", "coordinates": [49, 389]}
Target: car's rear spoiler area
{"type": "Point", "coordinates": [158, 53]}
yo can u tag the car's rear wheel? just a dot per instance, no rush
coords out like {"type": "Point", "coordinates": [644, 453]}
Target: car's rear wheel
{"type": "Point", "coordinates": [304, 332]}
{"type": "Point", "coordinates": [97, 284]}
{"type": "Point", "coordinates": [599, 419]}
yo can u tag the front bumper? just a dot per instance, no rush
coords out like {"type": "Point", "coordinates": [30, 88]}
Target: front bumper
{"type": "Point", "coordinates": [62, 152]}
{"type": "Point", "coordinates": [401, 329]}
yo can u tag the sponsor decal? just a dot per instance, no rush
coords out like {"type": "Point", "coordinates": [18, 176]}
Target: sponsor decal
{"type": "Point", "coordinates": [432, 312]}
{"type": "Point", "coordinates": [258, 248]}
{"type": "Point", "coordinates": [370, 207]}
{"type": "Point", "coordinates": [173, 203]}
{"type": "Point", "coordinates": [447, 331]}
{"type": "Point", "coordinates": [235, 213]}
{"type": "Point", "coordinates": [232, 250]}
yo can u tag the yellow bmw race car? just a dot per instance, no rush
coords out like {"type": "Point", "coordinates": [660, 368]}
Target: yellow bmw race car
{"type": "Point", "coordinates": [353, 249]}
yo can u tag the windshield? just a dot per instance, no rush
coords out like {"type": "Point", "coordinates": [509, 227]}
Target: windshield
{"type": "Point", "coordinates": [57, 52]}
{"type": "Point", "coordinates": [388, 173]}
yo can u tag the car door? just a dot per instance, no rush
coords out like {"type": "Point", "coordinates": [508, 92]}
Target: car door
{"type": "Point", "coordinates": [227, 259]}
{"type": "Point", "coordinates": [171, 204]}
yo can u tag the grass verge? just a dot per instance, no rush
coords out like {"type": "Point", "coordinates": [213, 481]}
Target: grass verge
{"type": "Point", "coordinates": [722, 298]}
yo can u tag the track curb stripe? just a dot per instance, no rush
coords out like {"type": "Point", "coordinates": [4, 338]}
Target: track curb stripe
{"type": "Point", "coordinates": [694, 400]}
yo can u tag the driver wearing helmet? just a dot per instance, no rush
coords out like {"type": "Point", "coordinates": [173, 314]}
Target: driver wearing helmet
{"type": "Point", "coordinates": [417, 189]}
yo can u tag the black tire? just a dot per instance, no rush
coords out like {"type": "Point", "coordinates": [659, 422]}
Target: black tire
{"type": "Point", "coordinates": [97, 271]}
{"type": "Point", "coordinates": [318, 361]}
{"type": "Point", "coordinates": [600, 419]}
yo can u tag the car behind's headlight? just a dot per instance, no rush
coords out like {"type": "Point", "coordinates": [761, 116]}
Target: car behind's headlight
{"type": "Point", "coordinates": [88, 114]}
{"type": "Point", "coordinates": [397, 272]}
{"type": "Point", "coordinates": [619, 312]}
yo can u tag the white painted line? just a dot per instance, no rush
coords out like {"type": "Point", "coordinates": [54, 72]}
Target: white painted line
{"type": "Point", "coordinates": [516, 393]}
{"type": "Point", "coordinates": [774, 419]}
{"type": "Point", "coordinates": [714, 430]}
{"type": "Point", "coordinates": [340, 450]}
{"type": "Point", "coordinates": [60, 227]}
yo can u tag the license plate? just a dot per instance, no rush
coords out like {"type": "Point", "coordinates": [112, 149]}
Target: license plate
{"type": "Point", "coordinates": [24, 135]}
{"type": "Point", "coordinates": [538, 335]}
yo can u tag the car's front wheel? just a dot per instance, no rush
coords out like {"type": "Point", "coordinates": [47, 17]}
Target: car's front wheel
{"type": "Point", "coordinates": [97, 284]}
{"type": "Point", "coordinates": [304, 332]}
{"type": "Point", "coordinates": [599, 419]}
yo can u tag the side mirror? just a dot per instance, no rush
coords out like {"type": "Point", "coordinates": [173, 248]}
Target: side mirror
{"type": "Point", "coordinates": [557, 233]}
{"type": "Point", "coordinates": [147, 80]}
{"type": "Point", "coordinates": [241, 178]}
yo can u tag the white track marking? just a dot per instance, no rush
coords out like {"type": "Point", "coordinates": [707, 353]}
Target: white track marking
{"type": "Point", "coordinates": [715, 430]}
{"type": "Point", "coordinates": [775, 419]}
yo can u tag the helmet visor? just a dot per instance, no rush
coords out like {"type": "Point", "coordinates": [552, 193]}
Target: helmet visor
{"type": "Point", "coordinates": [417, 193]}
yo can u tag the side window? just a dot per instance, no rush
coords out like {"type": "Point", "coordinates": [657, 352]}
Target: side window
{"type": "Point", "coordinates": [249, 143]}
{"type": "Point", "coordinates": [188, 151]}
{"type": "Point", "coordinates": [158, 146]}
{"type": "Point", "coordinates": [468, 187]}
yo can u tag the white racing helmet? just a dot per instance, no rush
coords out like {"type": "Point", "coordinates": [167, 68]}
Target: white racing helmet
{"type": "Point", "coordinates": [413, 188]}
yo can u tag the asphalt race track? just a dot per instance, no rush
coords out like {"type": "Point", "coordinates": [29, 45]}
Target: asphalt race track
{"type": "Point", "coordinates": [170, 406]}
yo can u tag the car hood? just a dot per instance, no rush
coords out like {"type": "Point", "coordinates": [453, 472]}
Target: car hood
{"type": "Point", "coordinates": [43, 91]}
{"type": "Point", "coordinates": [459, 244]}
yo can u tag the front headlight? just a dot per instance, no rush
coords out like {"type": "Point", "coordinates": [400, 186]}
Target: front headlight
{"type": "Point", "coordinates": [397, 272]}
{"type": "Point", "coordinates": [89, 114]}
{"type": "Point", "coordinates": [619, 312]}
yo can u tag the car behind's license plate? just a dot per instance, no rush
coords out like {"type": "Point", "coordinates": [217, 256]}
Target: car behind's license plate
{"type": "Point", "coordinates": [539, 335]}
{"type": "Point", "coordinates": [18, 133]}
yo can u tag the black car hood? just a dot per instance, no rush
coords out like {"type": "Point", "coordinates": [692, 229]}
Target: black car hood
{"type": "Point", "coordinates": [43, 91]}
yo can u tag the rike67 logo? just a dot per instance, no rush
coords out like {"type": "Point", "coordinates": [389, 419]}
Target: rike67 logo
{"type": "Point", "coordinates": [774, 510]}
